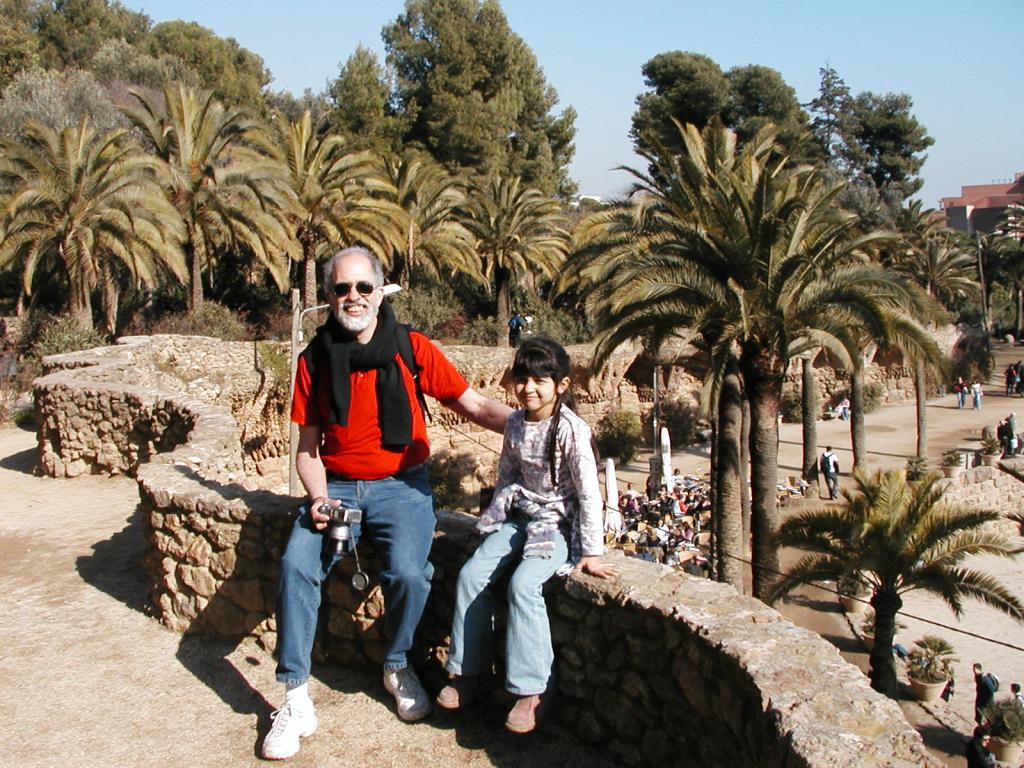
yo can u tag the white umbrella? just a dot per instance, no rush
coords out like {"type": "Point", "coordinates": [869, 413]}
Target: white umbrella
{"type": "Point", "coordinates": [666, 459]}
{"type": "Point", "coordinates": [612, 516]}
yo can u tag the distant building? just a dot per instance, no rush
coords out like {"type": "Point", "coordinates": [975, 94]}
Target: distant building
{"type": "Point", "coordinates": [587, 200]}
{"type": "Point", "coordinates": [982, 207]}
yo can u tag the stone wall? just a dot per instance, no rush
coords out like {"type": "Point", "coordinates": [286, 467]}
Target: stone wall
{"type": "Point", "coordinates": [998, 488]}
{"type": "Point", "coordinates": [738, 683]}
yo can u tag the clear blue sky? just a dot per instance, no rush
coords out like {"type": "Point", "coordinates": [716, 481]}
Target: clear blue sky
{"type": "Point", "coordinates": [961, 62]}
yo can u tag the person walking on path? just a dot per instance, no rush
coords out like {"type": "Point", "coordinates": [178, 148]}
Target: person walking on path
{"type": "Point", "coordinates": [976, 394]}
{"type": "Point", "coordinates": [985, 686]}
{"type": "Point", "coordinates": [960, 390]}
{"type": "Point", "coordinates": [829, 466]}
{"type": "Point", "coordinates": [363, 448]}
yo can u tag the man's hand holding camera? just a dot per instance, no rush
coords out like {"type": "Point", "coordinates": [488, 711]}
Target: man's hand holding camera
{"type": "Point", "coordinates": [321, 518]}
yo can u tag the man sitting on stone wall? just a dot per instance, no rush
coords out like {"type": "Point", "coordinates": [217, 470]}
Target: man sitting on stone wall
{"type": "Point", "coordinates": [363, 445]}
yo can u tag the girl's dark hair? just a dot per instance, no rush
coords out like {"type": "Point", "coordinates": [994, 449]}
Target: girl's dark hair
{"type": "Point", "coordinates": [541, 357]}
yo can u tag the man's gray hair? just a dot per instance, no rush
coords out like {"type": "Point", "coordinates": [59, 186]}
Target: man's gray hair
{"type": "Point", "coordinates": [328, 275]}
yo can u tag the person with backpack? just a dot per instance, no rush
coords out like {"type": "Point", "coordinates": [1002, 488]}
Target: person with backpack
{"type": "Point", "coordinates": [828, 465]}
{"type": "Point", "coordinates": [985, 686]}
{"type": "Point", "coordinates": [363, 447]}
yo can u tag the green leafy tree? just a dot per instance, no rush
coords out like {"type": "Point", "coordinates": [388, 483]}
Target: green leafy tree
{"type": "Point", "coordinates": [898, 537]}
{"type": "Point", "coordinates": [759, 97]}
{"type": "Point", "coordinates": [892, 141]}
{"type": "Point", "coordinates": [834, 124]}
{"type": "Point", "coordinates": [362, 109]}
{"type": "Point", "coordinates": [19, 50]}
{"type": "Point", "coordinates": [756, 257]}
{"type": "Point", "coordinates": [432, 202]}
{"type": "Point", "coordinates": [475, 95]}
{"type": "Point", "coordinates": [687, 87]}
{"type": "Point", "coordinates": [342, 200]}
{"type": "Point", "coordinates": [236, 75]}
{"type": "Point", "coordinates": [520, 234]}
{"type": "Point", "coordinates": [692, 89]}
{"type": "Point", "coordinates": [72, 31]}
{"type": "Point", "coordinates": [221, 179]}
{"type": "Point", "coordinates": [86, 200]}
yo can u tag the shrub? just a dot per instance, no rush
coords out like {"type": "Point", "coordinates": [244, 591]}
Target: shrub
{"type": "Point", "coordinates": [791, 406]}
{"type": "Point", "coordinates": [618, 436]}
{"type": "Point", "coordinates": [482, 332]}
{"type": "Point", "coordinates": [680, 418]}
{"type": "Point", "coordinates": [55, 336]}
{"type": "Point", "coordinates": [211, 319]}
{"type": "Point", "coordinates": [873, 393]}
{"type": "Point", "coordinates": [426, 307]}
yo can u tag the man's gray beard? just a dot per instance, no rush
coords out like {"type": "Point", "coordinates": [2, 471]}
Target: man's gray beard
{"type": "Point", "coordinates": [356, 324]}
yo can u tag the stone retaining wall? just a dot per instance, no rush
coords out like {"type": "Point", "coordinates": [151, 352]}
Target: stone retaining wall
{"type": "Point", "coordinates": [738, 684]}
{"type": "Point", "coordinates": [998, 488]}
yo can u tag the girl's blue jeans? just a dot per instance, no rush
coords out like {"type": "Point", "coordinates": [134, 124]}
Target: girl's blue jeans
{"type": "Point", "coordinates": [529, 656]}
{"type": "Point", "coordinates": [398, 517]}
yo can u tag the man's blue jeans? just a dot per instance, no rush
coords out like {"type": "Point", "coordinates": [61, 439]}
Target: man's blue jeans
{"type": "Point", "coordinates": [398, 517]}
{"type": "Point", "coordinates": [529, 658]}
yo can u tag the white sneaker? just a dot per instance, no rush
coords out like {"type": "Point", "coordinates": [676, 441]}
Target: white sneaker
{"type": "Point", "coordinates": [410, 698]}
{"type": "Point", "coordinates": [292, 721]}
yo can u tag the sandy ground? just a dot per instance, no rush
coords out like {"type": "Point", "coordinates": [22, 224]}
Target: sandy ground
{"type": "Point", "coordinates": [90, 678]}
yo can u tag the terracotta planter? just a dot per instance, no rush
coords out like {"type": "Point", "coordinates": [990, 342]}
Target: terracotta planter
{"type": "Point", "coordinates": [1006, 751]}
{"type": "Point", "coordinates": [853, 605]}
{"type": "Point", "coordinates": [927, 691]}
{"type": "Point", "coordinates": [990, 459]}
{"type": "Point", "coordinates": [952, 471]}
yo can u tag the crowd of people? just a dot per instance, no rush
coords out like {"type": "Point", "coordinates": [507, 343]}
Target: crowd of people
{"type": "Point", "coordinates": [665, 525]}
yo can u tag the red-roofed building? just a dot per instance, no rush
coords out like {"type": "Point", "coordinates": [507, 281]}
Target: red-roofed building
{"type": "Point", "coordinates": [982, 207]}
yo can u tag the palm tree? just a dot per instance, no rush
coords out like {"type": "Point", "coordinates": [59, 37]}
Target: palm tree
{"type": "Point", "coordinates": [937, 260]}
{"type": "Point", "coordinates": [222, 180]}
{"type": "Point", "coordinates": [520, 232]}
{"type": "Point", "coordinates": [432, 202]}
{"type": "Point", "coordinates": [759, 251]}
{"type": "Point", "coordinates": [897, 537]}
{"type": "Point", "coordinates": [84, 201]}
{"type": "Point", "coordinates": [808, 416]}
{"type": "Point", "coordinates": [341, 197]}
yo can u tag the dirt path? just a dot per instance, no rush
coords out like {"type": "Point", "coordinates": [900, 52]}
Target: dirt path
{"type": "Point", "coordinates": [90, 680]}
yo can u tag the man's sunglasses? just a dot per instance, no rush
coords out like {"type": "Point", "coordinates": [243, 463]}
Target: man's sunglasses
{"type": "Point", "coordinates": [363, 288]}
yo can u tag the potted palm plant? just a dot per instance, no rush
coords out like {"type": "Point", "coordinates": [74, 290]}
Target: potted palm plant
{"type": "Point", "coordinates": [952, 463]}
{"type": "Point", "coordinates": [916, 468]}
{"type": "Point", "coordinates": [867, 628]}
{"type": "Point", "coordinates": [1005, 718]}
{"type": "Point", "coordinates": [853, 592]}
{"type": "Point", "coordinates": [991, 450]}
{"type": "Point", "coordinates": [930, 667]}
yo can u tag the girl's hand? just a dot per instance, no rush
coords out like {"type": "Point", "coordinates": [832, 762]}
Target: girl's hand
{"type": "Point", "coordinates": [593, 565]}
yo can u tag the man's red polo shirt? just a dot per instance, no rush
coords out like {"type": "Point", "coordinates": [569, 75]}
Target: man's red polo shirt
{"type": "Point", "coordinates": [355, 451]}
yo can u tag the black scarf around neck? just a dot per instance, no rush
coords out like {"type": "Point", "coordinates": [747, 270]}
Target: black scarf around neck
{"type": "Point", "coordinates": [339, 346]}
